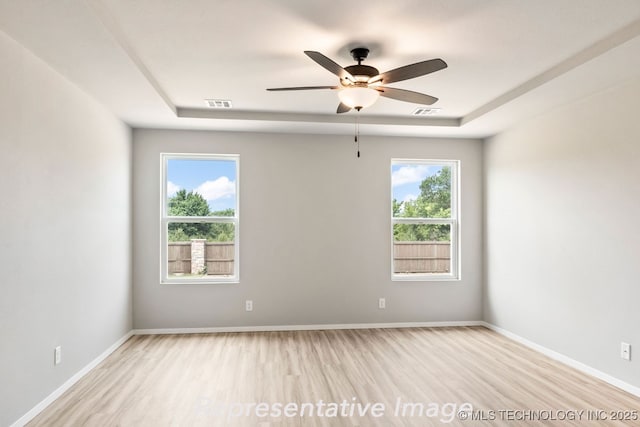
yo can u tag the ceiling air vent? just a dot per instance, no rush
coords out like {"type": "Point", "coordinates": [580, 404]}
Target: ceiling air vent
{"type": "Point", "coordinates": [218, 103]}
{"type": "Point", "coordinates": [425, 111]}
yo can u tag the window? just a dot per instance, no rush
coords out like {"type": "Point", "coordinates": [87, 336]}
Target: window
{"type": "Point", "coordinates": [200, 225]}
{"type": "Point", "coordinates": [424, 219]}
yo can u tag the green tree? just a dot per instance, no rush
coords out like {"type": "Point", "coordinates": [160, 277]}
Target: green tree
{"type": "Point", "coordinates": [397, 208]}
{"type": "Point", "coordinates": [435, 195]}
{"type": "Point", "coordinates": [434, 201]}
{"type": "Point", "coordinates": [222, 232]}
{"type": "Point", "coordinates": [188, 204]}
{"type": "Point", "coordinates": [224, 212]}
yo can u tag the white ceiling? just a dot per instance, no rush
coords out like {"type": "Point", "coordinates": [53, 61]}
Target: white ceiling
{"type": "Point", "coordinates": [153, 62]}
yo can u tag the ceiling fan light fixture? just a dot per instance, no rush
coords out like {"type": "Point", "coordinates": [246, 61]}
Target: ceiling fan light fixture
{"type": "Point", "coordinates": [358, 97]}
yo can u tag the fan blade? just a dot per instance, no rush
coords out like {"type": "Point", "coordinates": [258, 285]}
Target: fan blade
{"type": "Point", "coordinates": [329, 65]}
{"type": "Point", "coordinates": [343, 108]}
{"type": "Point", "coordinates": [406, 95]}
{"type": "Point", "coordinates": [410, 71]}
{"type": "Point", "coordinates": [302, 88]}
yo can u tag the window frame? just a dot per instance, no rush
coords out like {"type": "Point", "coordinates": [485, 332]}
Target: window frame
{"type": "Point", "coordinates": [165, 220]}
{"type": "Point", "coordinates": [453, 222]}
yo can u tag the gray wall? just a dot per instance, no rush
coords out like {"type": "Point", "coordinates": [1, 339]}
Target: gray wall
{"type": "Point", "coordinates": [65, 230]}
{"type": "Point", "coordinates": [315, 233]}
{"type": "Point", "coordinates": [563, 232]}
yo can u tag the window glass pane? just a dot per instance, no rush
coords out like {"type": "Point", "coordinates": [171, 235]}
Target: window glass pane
{"type": "Point", "coordinates": [197, 250]}
{"type": "Point", "coordinates": [421, 248]}
{"type": "Point", "coordinates": [421, 190]}
{"type": "Point", "coordinates": [201, 187]}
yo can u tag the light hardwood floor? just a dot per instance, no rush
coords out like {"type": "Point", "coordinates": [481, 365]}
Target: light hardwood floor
{"type": "Point", "coordinates": [206, 379]}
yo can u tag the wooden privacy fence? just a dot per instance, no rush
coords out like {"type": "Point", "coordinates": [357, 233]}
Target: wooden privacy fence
{"type": "Point", "coordinates": [179, 256]}
{"type": "Point", "coordinates": [215, 259]}
{"type": "Point", "coordinates": [421, 257]}
{"type": "Point", "coordinates": [408, 257]}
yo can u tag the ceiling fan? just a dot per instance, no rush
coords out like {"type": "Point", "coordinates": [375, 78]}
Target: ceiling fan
{"type": "Point", "coordinates": [361, 85]}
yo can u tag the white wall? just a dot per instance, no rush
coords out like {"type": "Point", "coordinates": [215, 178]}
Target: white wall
{"type": "Point", "coordinates": [562, 197]}
{"type": "Point", "coordinates": [65, 274]}
{"type": "Point", "coordinates": [315, 233]}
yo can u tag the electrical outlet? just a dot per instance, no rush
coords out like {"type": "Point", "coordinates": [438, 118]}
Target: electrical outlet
{"type": "Point", "coordinates": [248, 305]}
{"type": "Point", "coordinates": [382, 303]}
{"type": "Point", "coordinates": [625, 351]}
{"type": "Point", "coordinates": [57, 355]}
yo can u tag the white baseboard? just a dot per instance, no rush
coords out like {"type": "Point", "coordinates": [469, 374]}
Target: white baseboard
{"type": "Point", "coordinates": [566, 360]}
{"type": "Point", "coordinates": [271, 328]}
{"type": "Point", "coordinates": [70, 382]}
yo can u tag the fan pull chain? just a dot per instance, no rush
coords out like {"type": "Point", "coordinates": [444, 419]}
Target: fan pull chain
{"type": "Point", "coordinates": [357, 134]}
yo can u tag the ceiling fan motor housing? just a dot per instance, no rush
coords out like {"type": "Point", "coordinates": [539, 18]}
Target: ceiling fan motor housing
{"type": "Point", "coordinates": [362, 73]}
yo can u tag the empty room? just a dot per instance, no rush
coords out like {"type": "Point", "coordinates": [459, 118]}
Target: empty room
{"type": "Point", "coordinates": [297, 213]}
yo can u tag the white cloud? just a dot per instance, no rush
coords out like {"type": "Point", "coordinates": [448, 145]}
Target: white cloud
{"type": "Point", "coordinates": [409, 198]}
{"type": "Point", "coordinates": [172, 188]}
{"type": "Point", "coordinates": [409, 174]}
{"type": "Point", "coordinates": [221, 188]}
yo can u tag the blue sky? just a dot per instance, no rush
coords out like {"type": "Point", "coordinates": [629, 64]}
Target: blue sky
{"type": "Point", "coordinates": [212, 179]}
{"type": "Point", "coordinates": [406, 179]}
